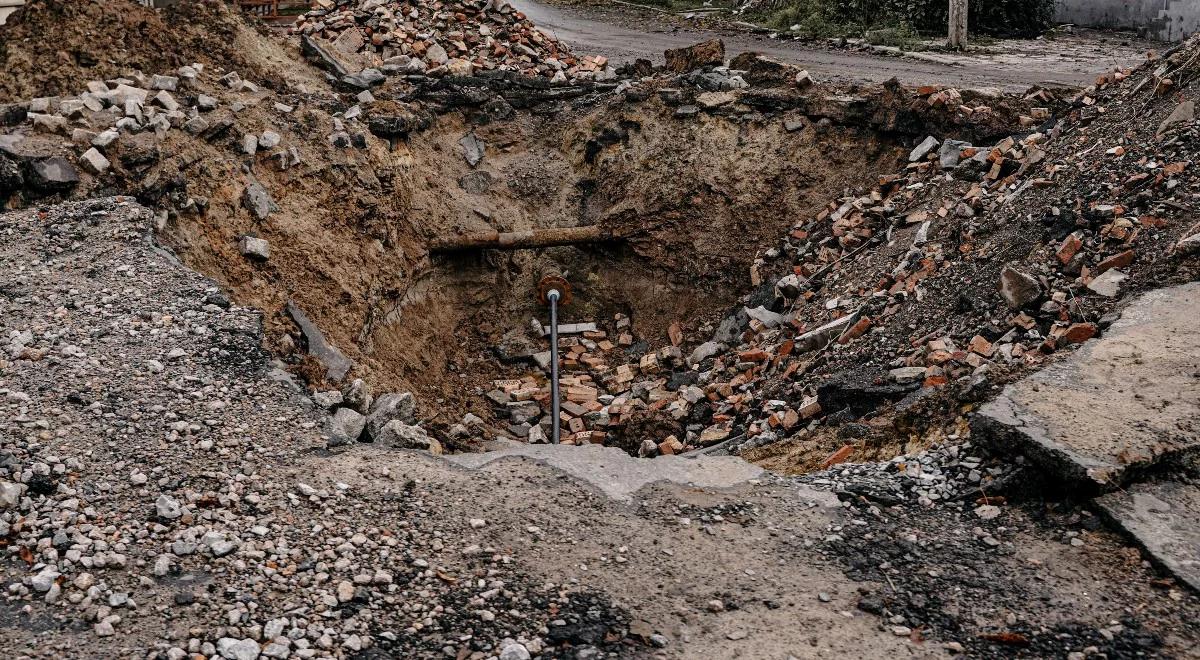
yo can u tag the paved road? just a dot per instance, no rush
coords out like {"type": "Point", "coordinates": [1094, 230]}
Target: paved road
{"type": "Point", "coordinates": [625, 33]}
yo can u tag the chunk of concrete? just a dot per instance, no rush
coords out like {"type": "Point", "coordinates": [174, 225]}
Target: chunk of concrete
{"type": "Point", "coordinates": [924, 149]}
{"type": "Point", "coordinates": [94, 161]}
{"type": "Point", "coordinates": [1164, 519]}
{"type": "Point", "coordinates": [258, 201]}
{"type": "Point", "coordinates": [54, 174]}
{"type": "Point", "coordinates": [1018, 289]}
{"type": "Point", "coordinates": [1117, 405]}
{"type": "Point", "coordinates": [345, 427]}
{"type": "Point", "coordinates": [254, 248]}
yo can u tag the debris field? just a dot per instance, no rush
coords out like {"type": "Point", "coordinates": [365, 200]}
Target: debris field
{"type": "Point", "coordinates": [849, 370]}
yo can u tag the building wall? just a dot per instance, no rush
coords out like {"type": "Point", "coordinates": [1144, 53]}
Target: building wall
{"type": "Point", "coordinates": [1169, 20]}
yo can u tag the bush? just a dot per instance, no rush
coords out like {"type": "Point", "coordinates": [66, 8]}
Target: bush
{"type": "Point", "coordinates": [1002, 18]}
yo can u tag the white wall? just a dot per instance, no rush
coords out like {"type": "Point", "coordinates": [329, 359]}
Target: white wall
{"type": "Point", "coordinates": [1169, 20]}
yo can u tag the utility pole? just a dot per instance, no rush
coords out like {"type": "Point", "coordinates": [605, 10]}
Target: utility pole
{"type": "Point", "coordinates": [958, 24]}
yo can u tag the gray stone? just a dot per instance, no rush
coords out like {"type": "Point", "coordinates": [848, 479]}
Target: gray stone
{"type": "Point", "coordinates": [238, 649]}
{"type": "Point", "coordinates": [49, 123]}
{"type": "Point", "coordinates": [436, 55]}
{"type": "Point", "coordinates": [1019, 289]}
{"type": "Point", "coordinates": [365, 79]}
{"type": "Point", "coordinates": [358, 396]}
{"type": "Point", "coordinates": [53, 174]}
{"type": "Point", "coordinates": [165, 101]}
{"type": "Point", "coordinates": [951, 153]}
{"type": "Point", "coordinates": [905, 375]}
{"type": "Point", "coordinates": [345, 427]}
{"type": "Point", "coordinates": [124, 93]}
{"type": "Point", "coordinates": [44, 580]}
{"type": "Point", "coordinates": [10, 494]}
{"type": "Point", "coordinates": [328, 400]}
{"type": "Point", "coordinates": [255, 248]}
{"type": "Point", "coordinates": [250, 144]}
{"type": "Point", "coordinates": [924, 149]}
{"type": "Point", "coordinates": [1108, 283]}
{"type": "Point", "coordinates": [1188, 246]}
{"type": "Point", "coordinates": [705, 351]}
{"type": "Point", "coordinates": [404, 436]}
{"type": "Point", "coordinates": [256, 199]}
{"type": "Point", "coordinates": [391, 407]}
{"type": "Point", "coordinates": [473, 149]}
{"type": "Point", "coordinates": [94, 161]}
{"type": "Point", "coordinates": [165, 83]}
{"type": "Point", "coordinates": [1117, 405]}
{"type": "Point", "coordinates": [167, 507]}
{"type": "Point", "coordinates": [206, 103]}
{"type": "Point", "coordinates": [196, 125]}
{"type": "Point", "coordinates": [514, 651]}
{"type": "Point", "coordinates": [1183, 113]}
{"type": "Point", "coordinates": [269, 140]}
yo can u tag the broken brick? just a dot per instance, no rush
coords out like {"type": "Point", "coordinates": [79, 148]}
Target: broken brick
{"type": "Point", "coordinates": [837, 457]}
{"type": "Point", "coordinates": [1116, 261]}
{"type": "Point", "coordinates": [1069, 248]}
{"type": "Point", "coordinates": [1078, 333]}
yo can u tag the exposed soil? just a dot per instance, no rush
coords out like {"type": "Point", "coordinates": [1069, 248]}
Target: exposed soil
{"type": "Point", "coordinates": [151, 438]}
{"type": "Point", "coordinates": [48, 47]}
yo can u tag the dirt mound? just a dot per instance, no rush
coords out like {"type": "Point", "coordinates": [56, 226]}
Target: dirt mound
{"type": "Point", "coordinates": [93, 40]}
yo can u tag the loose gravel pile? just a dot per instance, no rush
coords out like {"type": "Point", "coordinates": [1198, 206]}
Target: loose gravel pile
{"type": "Point", "coordinates": [153, 489]}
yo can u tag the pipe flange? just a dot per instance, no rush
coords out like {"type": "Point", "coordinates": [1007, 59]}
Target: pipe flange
{"type": "Point", "coordinates": [554, 283]}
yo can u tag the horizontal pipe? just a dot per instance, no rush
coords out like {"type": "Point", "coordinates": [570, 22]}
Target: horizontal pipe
{"type": "Point", "coordinates": [520, 240]}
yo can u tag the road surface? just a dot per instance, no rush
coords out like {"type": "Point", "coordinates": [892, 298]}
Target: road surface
{"type": "Point", "coordinates": [624, 33]}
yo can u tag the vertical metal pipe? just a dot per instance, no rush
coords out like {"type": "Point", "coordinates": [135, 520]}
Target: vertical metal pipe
{"type": "Point", "coordinates": [555, 409]}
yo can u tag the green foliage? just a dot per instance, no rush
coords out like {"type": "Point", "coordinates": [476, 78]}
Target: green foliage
{"type": "Point", "coordinates": [1004, 18]}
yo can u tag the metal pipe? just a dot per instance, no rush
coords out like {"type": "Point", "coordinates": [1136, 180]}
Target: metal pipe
{"type": "Point", "coordinates": [555, 407]}
{"type": "Point", "coordinates": [520, 240]}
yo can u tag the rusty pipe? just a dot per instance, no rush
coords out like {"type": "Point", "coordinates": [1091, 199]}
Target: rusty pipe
{"type": "Point", "coordinates": [520, 240]}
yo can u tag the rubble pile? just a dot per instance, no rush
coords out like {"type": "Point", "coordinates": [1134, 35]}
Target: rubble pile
{"type": "Point", "coordinates": [154, 490]}
{"type": "Point", "coordinates": [455, 38]}
{"type": "Point", "coordinates": [604, 384]}
{"type": "Point", "coordinates": [973, 264]}
{"type": "Point", "coordinates": [98, 39]}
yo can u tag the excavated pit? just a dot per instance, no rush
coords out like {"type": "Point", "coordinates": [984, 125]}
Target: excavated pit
{"type": "Point", "coordinates": [688, 188]}
{"type": "Point", "coordinates": [690, 205]}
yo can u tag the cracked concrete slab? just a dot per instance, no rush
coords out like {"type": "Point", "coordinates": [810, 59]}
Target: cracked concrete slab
{"type": "Point", "coordinates": [1163, 518]}
{"type": "Point", "coordinates": [1118, 405]}
{"type": "Point", "coordinates": [619, 475]}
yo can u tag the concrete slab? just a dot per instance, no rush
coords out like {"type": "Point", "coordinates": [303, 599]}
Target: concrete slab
{"type": "Point", "coordinates": [1118, 405]}
{"type": "Point", "coordinates": [619, 475]}
{"type": "Point", "coordinates": [1163, 518]}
